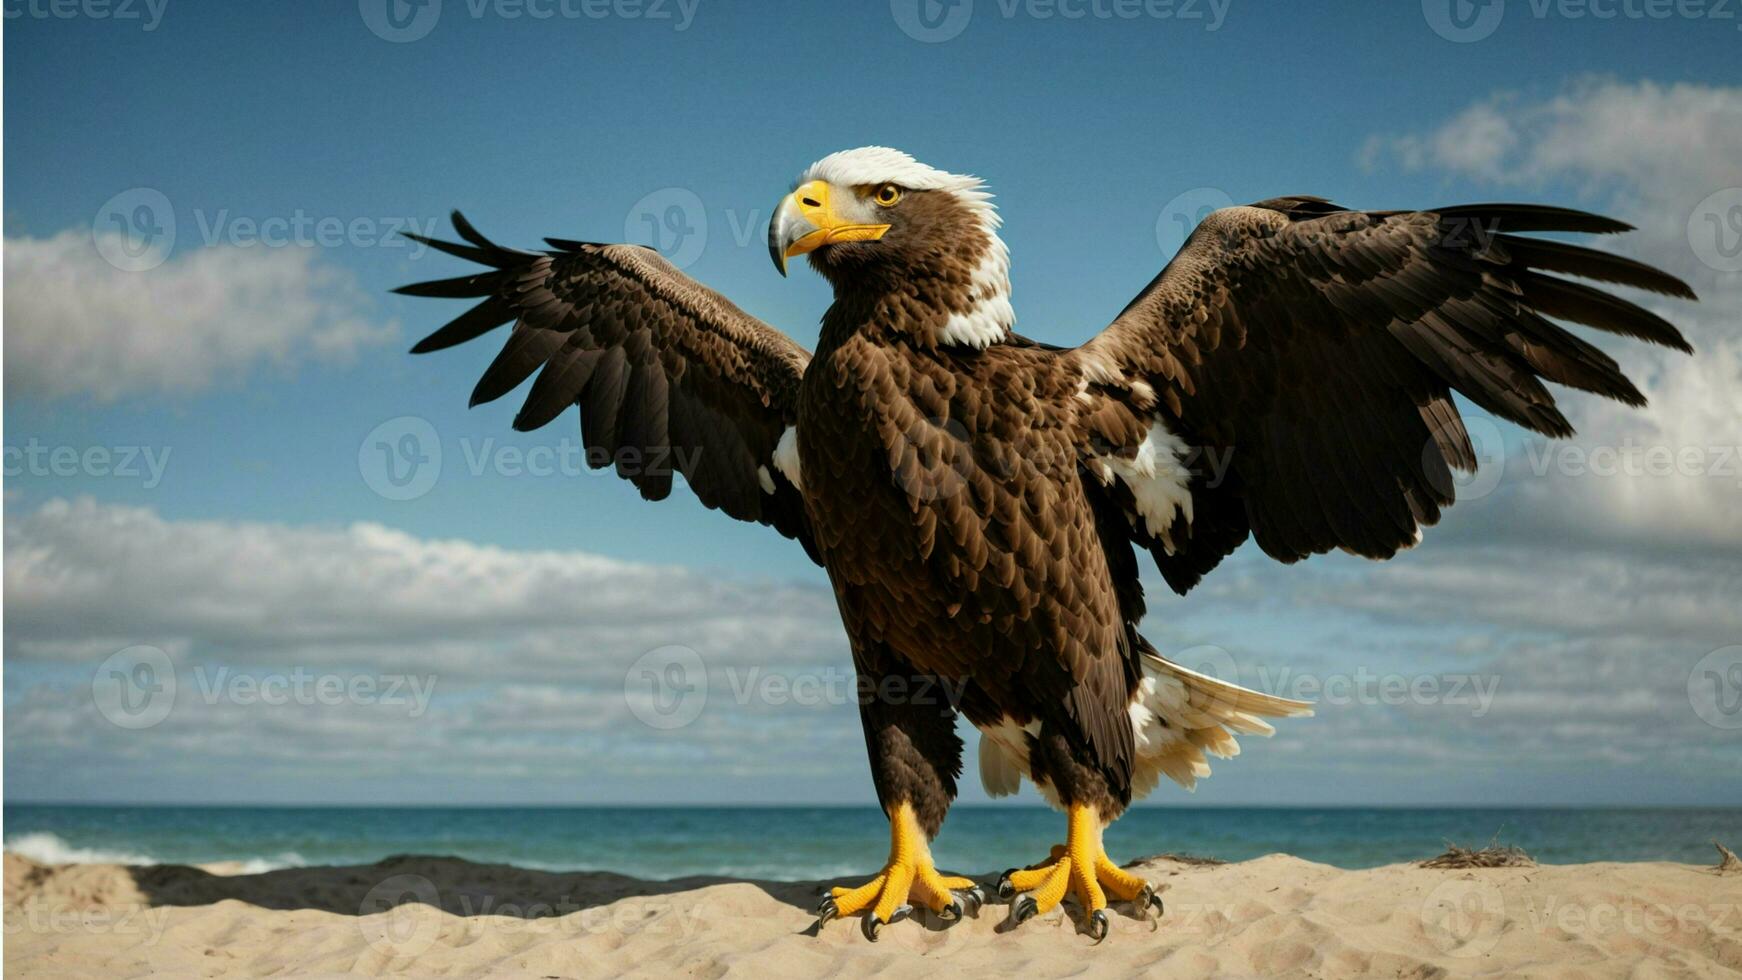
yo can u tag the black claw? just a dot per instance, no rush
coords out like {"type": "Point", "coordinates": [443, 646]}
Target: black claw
{"type": "Point", "coordinates": [1148, 899]}
{"type": "Point", "coordinates": [951, 912]}
{"type": "Point", "coordinates": [901, 912]}
{"type": "Point", "coordinates": [827, 912]}
{"type": "Point", "coordinates": [1024, 909]}
{"type": "Point", "coordinates": [973, 899]}
{"type": "Point", "coordinates": [1099, 925]}
{"type": "Point", "coordinates": [870, 926]}
{"type": "Point", "coordinates": [1005, 889]}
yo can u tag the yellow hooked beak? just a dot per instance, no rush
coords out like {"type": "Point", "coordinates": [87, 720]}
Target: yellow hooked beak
{"type": "Point", "coordinates": [810, 217]}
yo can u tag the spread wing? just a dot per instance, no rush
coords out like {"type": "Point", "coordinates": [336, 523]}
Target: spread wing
{"type": "Point", "coordinates": [669, 375]}
{"type": "Point", "coordinates": [1289, 374]}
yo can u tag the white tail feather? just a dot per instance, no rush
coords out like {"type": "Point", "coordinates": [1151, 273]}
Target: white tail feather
{"type": "Point", "coordinates": [1178, 717]}
{"type": "Point", "coordinates": [1185, 714]}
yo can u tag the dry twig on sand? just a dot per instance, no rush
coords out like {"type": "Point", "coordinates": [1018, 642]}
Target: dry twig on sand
{"type": "Point", "coordinates": [1191, 859]}
{"type": "Point", "coordinates": [1728, 861]}
{"type": "Point", "coordinates": [1495, 855]}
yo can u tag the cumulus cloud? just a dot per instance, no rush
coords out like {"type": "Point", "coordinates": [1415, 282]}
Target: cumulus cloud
{"type": "Point", "coordinates": [77, 325]}
{"type": "Point", "coordinates": [84, 577]}
{"type": "Point", "coordinates": [1490, 658]}
{"type": "Point", "coordinates": [1652, 155]}
{"type": "Point", "coordinates": [477, 662]}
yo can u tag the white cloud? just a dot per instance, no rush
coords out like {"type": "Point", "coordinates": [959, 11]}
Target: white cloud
{"type": "Point", "coordinates": [1535, 658]}
{"type": "Point", "coordinates": [1633, 137]}
{"type": "Point", "coordinates": [85, 579]}
{"type": "Point", "coordinates": [529, 659]}
{"type": "Point", "coordinates": [78, 326]}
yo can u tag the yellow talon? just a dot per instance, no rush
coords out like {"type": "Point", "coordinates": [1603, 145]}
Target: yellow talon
{"type": "Point", "coordinates": [1121, 884]}
{"type": "Point", "coordinates": [894, 891]}
{"type": "Point", "coordinates": [849, 901]}
{"type": "Point", "coordinates": [935, 890]}
{"type": "Point", "coordinates": [1029, 879]}
{"type": "Point", "coordinates": [909, 872]}
{"type": "Point", "coordinates": [1051, 891]}
{"type": "Point", "coordinates": [1081, 868]}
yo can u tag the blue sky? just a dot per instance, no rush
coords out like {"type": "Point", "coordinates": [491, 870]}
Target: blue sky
{"type": "Point", "coordinates": [1090, 129]}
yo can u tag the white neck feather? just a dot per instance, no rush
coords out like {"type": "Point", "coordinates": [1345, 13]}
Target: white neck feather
{"type": "Point", "coordinates": [989, 316]}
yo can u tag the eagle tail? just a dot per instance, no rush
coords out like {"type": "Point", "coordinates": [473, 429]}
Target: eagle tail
{"type": "Point", "coordinates": [1179, 717]}
{"type": "Point", "coordinates": [1182, 716]}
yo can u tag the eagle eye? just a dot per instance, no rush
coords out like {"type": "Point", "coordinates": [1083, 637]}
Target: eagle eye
{"type": "Point", "coordinates": [887, 195]}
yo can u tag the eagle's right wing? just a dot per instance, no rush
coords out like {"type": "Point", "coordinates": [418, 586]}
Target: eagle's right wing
{"type": "Point", "coordinates": [1311, 352]}
{"type": "Point", "coordinates": [668, 374]}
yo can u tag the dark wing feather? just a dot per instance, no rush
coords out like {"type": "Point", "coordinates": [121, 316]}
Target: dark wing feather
{"type": "Point", "coordinates": [668, 373]}
{"type": "Point", "coordinates": [1314, 351]}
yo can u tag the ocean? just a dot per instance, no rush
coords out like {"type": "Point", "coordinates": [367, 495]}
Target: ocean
{"type": "Point", "coordinates": [804, 843]}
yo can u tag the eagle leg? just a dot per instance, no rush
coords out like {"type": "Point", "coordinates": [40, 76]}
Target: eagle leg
{"type": "Point", "coordinates": [1080, 868]}
{"type": "Point", "coordinates": [908, 875]}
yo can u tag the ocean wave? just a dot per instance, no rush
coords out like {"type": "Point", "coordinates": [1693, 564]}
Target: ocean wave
{"type": "Point", "coordinates": [255, 866]}
{"type": "Point", "coordinates": [47, 848]}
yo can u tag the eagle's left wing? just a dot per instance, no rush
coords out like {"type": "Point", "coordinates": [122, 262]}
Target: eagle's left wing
{"type": "Point", "coordinates": [1289, 374]}
{"type": "Point", "coordinates": [669, 375]}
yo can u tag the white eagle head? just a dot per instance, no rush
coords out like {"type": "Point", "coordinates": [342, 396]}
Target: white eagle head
{"type": "Point", "coordinates": [875, 220]}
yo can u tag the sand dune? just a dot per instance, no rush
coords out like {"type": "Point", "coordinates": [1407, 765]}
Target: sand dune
{"type": "Point", "coordinates": [1274, 916]}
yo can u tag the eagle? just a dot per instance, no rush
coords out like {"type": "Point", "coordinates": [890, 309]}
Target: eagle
{"type": "Point", "coordinates": [979, 500]}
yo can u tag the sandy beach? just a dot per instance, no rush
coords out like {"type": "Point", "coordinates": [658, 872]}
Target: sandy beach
{"type": "Point", "coordinates": [1273, 916]}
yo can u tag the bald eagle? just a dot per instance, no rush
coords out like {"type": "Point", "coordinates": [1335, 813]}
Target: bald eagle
{"type": "Point", "coordinates": [979, 499]}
